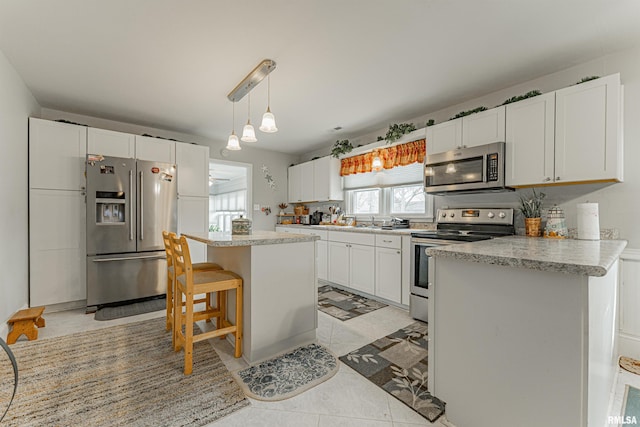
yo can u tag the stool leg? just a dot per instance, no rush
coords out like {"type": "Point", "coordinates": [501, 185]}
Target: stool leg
{"type": "Point", "coordinates": [169, 303]}
{"type": "Point", "coordinates": [177, 319]}
{"type": "Point", "coordinates": [188, 339]}
{"type": "Point", "coordinates": [13, 336]}
{"type": "Point", "coordinates": [40, 322]}
{"type": "Point", "coordinates": [222, 308]}
{"type": "Point", "coordinates": [239, 315]}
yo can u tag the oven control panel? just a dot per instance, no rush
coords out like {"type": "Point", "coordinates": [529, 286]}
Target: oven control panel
{"type": "Point", "coordinates": [500, 216]}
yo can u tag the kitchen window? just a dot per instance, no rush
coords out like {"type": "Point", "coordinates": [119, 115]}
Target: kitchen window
{"type": "Point", "coordinates": [366, 201]}
{"type": "Point", "coordinates": [408, 199]}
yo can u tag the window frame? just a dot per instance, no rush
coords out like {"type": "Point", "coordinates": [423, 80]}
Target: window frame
{"type": "Point", "coordinates": [386, 204]}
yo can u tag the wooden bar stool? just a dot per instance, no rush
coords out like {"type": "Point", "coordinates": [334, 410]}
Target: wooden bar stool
{"type": "Point", "coordinates": [200, 266]}
{"type": "Point", "coordinates": [189, 283]}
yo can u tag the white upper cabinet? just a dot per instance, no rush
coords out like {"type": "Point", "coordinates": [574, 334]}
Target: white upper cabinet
{"type": "Point", "coordinates": [193, 170]}
{"type": "Point", "coordinates": [295, 184]}
{"type": "Point", "coordinates": [315, 181]}
{"type": "Point", "coordinates": [480, 128]}
{"type": "Point", "coordinates": [111, 143]}
{"type": "Point", "coordinates": [156, 149]}
{"type": "Point", "coordinates": [529, 141]}
{"type": "Point", "coordinates": [588, 136]}
{"type": "Point", "coordinates": [57, 153]}
{"type": "Point", "coordinates": [485, 127]}
{"type": "Point", "coordinates": [306, 177]}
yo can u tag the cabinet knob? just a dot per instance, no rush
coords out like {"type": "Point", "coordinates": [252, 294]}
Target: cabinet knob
{"type": "Point", "coordinates": [547, 179]}
{"type": "Point", "coordinates": [557, 178]}
{"type": "Point", "coordinates": [398, 252]}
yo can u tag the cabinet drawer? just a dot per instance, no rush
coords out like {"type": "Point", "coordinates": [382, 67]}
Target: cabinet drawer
{"type": "Point", "coordinates": [388, 241]}
{"type": "Point", "coordinates": [355, 238]}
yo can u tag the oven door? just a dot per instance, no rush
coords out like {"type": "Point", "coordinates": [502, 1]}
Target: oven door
{"type": "Point", "coordinates": [422, 273]}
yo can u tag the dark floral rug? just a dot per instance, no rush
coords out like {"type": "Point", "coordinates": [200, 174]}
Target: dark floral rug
{"type": "Point", "coordinates": [344, 305]}
{"type": "Point", "coordinates": [398, 364]}
{"type": "Point", "coordinates": [289, 374]}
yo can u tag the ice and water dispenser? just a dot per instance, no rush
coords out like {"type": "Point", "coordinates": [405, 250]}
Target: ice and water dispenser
{"type": "Point", "coordinates": [110, 207]}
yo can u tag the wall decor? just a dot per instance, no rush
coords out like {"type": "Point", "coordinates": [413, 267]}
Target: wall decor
{"type": "Point", "coordinates": [269, 178]}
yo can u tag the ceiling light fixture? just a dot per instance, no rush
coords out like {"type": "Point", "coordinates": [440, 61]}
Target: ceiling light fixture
{"type": "Point", "coordinates": [251, 80]}
{"type": "Point", "coordinates": [376, 163]}
{"type": "Point", "coordinates": [268, 119]}
{"type": "Point", "coordinates": [233, 143]}
{"type": "Point", "coordinates": [248, 133]}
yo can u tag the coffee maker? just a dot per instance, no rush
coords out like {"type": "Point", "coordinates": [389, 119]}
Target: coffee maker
{"type": "Point", "coordinates": [316, 218]}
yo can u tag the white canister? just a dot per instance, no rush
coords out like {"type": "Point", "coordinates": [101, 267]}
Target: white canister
{"type": "Point", "coordinates": [588, 221]}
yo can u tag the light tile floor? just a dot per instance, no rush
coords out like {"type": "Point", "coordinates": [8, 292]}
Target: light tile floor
{"type": "Point", "coordinates": [347, 399]}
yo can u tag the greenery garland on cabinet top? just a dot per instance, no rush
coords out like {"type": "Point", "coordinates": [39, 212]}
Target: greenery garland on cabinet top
{"type": "Point", "coordinates": [529, 94]}
{"type": "Point", "coordinates": [468, 112]}
{"type": "Point", "coordinates": [341, 147]}
{"type": "Point", "coordinates": [396, 131]}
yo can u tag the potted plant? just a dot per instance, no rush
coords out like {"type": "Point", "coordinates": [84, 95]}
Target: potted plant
{"type": "Point", "coordinates": [396, 131]}
{"type": "Point", "coordinates": [282, 207]}
{"type": "Point", "coordinates": [341, 147]}
{"type": "Point", "coordinates": [531, 208]}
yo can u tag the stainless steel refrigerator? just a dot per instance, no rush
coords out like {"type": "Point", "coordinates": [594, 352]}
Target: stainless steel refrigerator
{"type": "Point", "coordinates": [129, 203]}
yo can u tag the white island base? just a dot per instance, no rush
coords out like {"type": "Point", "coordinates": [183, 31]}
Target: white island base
{"type": "Point", "coordinates": [280, 296]}
{"type": "Point", "coordinates": [522, 347]}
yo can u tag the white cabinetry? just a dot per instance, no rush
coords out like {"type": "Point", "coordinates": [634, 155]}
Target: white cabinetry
{"type": "Point", "coordinates": [193, 170]}
{"type": "Point", "coordinates": [388, 277]}
{"type": "Point", "coordinates": [480, 128]}
{"type": "Point", "coordinates": [588, 137]}
{"type": "Point", "coordinates": [361, 268]}
{"type": "Point", "coordinates": [156, 149]}
{"type": "Point", "coordinates": [317, 180]}
{"type": "Point", "coordinates": [530, 140]}
{"type": "Point", "coordinates": [111, 143]}
{"type": "Point", "coordinates": [57, 252]}
{"type": "Point", "coordinates": [321, 246]}
{"type": "Point", "coordinates": [193, 216]}
{"type": "Point", "coordinates": [338, 257]}
{"type": "Point", "coordinates": [57, 153]}
{"type": "Point", "coordinates": [406, 269]}
{"type": "Point", "coordinates": [352, 260]}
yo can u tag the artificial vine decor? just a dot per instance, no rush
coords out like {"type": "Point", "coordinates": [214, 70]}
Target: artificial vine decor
{"type": "Point", "coordinates": [467, 113]}
{"type": "Point", "coordinates": [396, 131]}
{"type": "Point", "coordinates": [341, 147]}
{"type": "Point", "coordinates": [529, 94]}
{"type": "Point", "coordinates": [587, 79]}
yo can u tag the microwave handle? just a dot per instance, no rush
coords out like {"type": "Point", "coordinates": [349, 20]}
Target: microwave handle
{"type": "Point", "coordinates": [484, 167]}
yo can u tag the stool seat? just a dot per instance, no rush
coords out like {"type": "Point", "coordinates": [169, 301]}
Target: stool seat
{"type": "Point", "coordinates": [26, 322]}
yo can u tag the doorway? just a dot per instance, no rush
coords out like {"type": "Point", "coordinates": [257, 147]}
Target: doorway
{"type": "Point", "coordinates": [229, 193]}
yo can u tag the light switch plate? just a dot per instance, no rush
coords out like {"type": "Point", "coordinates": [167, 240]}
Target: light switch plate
{"type": "Point", "coordinates": [256, 207]}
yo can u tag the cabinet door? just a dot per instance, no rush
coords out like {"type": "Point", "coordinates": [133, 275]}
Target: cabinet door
{"type": "Point", "coordinates": [362, 271]}
{"type": "Point", "coordinates": [406, 269]}
{"type": "Point", "coordinates": [295, 184]}
{"type": "Point", "coordinates": [338, 263]}
{"type": "Point", "coordinates": [389, 274]}
{"type": "Point", "coordinates": [485, 127]}
{"type": "Point", "coordinates": [530, 137]}
{"type": "Point", "coordinates": [193, 216]}
{"type": "Point", "coordinates": [193, 169]}
{"type": "Point", "coordinates": [322, 259]}
{"type": "Point", "coordinates": [156, 150]}
{"type": "Point", "coordinates": [588, 142]}
{"type": "Point", "coordinates": [307, 170]}
{"type": "Point", "coordinates": [111, 143]}
{"type": "Point", "coordinates": [57, 255]}
{"type": "Point", "coordinates": [444, 136]}
{"type": "Point", "coordinates": [57, 154]}
{"type": "Point", "coordinates": [327, 182]}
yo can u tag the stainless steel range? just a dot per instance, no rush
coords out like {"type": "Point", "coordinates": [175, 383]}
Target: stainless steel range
{"type": "Point", "coordinates": [453, 226]}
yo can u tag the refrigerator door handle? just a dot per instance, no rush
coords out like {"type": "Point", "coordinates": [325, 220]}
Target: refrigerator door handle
{"type": "Point", "coordinates": [130, 205]}
{"type": "Point", "coordinates": [129, 258]}
{"type": "Point", "coordinates": [141, 207]}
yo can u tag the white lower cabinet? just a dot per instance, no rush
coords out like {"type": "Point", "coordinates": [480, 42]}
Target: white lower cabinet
{"type": "Point", "coordinates": [322, 248]}
{"type": "Point", "coordinates": [389, 274]}
{"type": "Point", "coordinates": [361, 268]}
{"type": "Point", "coordinates": [338, 257]}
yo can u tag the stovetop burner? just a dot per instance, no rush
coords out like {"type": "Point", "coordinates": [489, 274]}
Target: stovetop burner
{"type": "Point", "coordinates": [471, 225]}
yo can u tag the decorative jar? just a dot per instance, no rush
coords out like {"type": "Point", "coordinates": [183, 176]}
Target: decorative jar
{"type": "Point", "coordinates": [241, 226]}
{"type": "Point", "coordinates": [556, 227]}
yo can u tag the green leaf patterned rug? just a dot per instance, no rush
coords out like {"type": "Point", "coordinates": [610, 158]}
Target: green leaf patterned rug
{"type": "Point", "coordinates": [398, 364]}
{"type": "Point", "coordinates": [344, 305]}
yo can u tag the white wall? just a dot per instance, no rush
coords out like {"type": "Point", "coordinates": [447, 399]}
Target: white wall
{"type": "Point", "coordinates": [618, 202]}
{"type": "Point", "coordinates": [277, 163]}
{"type": "Point", "coordinates": [16, 105]}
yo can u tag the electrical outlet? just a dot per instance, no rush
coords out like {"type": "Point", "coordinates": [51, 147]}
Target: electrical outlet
{"type": "Point", "coordinates": [256, 207]}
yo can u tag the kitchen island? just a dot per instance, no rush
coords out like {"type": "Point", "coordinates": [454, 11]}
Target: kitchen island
{"type": "Point", "coordinates": [523, 331]}
{"type": "Point", "coordinates": [280, 295]}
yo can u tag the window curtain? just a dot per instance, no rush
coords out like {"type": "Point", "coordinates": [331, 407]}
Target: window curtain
{"type": "Point", "coordinates": [399, 155]}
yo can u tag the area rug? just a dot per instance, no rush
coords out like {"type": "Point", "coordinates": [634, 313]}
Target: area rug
{"type": "Point", "coordinates": [398, 364]}
{"type": "Point", "coordinates": [629, 364]}
{"type": "Point", "coordinates": [126, 310]}
{"type": "Point", "coordinates": [631, 405]}
{"type": "Point", "coordinates": [124, 375]}
{"type": "Point", "coordinates": [344, 305]}
{"type": "Point", "coordinates": [289, 374]}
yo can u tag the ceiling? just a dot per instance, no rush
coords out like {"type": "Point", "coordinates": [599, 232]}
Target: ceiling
{"type": "Point", "coordinates": [358, 64]}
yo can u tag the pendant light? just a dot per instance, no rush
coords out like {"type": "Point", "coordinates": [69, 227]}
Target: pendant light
{"type": "Point", "coordinates": [268, 119]}
{"type": "Point", "coordinates": [248, 133]}
{"type": "Point", "coordinates": [232, 143]}
{"type": "Point", "coordinates": [376, 163]}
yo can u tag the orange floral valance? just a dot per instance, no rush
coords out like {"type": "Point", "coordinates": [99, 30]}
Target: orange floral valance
{"type": "Point", "coordinates": [398, 155]}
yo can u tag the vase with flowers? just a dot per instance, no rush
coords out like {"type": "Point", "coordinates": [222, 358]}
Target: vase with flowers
{"type": "Point", "coordinates": [531, 208]}
{"type": "Point", "coordinates": [282, 207]}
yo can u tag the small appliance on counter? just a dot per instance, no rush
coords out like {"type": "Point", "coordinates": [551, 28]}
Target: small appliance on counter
{"type": "Point", "coordinates": [396, 223]}
{"type": "Point", "coordinates": [316, 218]}
{"type": "Point", "coordinates": [305, 219]}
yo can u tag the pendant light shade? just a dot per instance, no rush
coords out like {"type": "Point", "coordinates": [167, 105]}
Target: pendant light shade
{"type": "Point", "coordinates": [232, 143]}
{"type": "Point", "coordinates": [248, 133]}
{"type": "Point", "coordinates": [376, 163]}
{"type": "Point", "coordinates": [268, 119]}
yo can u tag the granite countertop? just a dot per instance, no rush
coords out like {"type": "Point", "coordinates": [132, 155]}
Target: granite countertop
{"type": "Point", "coordinates": [367, 230]}
{"type": "Point", "coordinates": [583, 257]}
{"type": "Point", "coordinates": [255, 238]}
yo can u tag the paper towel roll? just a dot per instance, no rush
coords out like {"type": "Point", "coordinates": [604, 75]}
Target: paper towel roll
{"type": "Point", "coordinates": [588, 221]}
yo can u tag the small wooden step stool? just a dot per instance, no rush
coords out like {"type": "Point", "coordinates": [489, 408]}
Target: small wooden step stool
{"type": "Point", "coordinates": [26, 322]}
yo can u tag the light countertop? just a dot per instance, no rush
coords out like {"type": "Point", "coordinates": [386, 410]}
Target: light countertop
{"type": "Point", "coordinates": [583, 257]}
{"type": "Point", "coordinates": [367, 230]}
{"type": "Point", "coordinates": [255, 238]}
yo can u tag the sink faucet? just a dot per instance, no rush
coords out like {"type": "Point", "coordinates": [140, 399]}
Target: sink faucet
{"type": "Point", "coordinates": [373, 219]}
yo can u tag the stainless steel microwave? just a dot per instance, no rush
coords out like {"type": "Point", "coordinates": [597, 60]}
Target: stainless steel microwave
{"type": "Point", "coordinates": [466, 170]}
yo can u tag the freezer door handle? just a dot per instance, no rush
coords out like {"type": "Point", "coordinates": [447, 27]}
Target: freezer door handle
{"type": "Point", "coordinates": [129, 258]}
{"type": "Point", "coordinates": [141, 208]}
{"type": "Point", "coordinates": [130, 205]}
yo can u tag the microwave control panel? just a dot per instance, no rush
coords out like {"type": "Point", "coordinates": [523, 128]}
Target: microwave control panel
{"type": "Point", "coordinates": [492, 167]}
